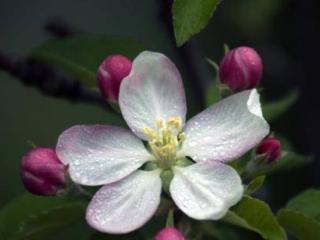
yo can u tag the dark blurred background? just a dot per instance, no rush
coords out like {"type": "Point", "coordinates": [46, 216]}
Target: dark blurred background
{"type": "Point", "coordinates": [284, 32]}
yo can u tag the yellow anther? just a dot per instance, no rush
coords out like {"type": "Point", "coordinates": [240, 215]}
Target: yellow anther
{"type": "Point", "coordinates": [182, 137]}
{"type": "Point", "coordinates": [151, 134]}
{"type": "Point", "coordinates": [165, 140]}
{"type": "Point", "coordinates": [176, 122]}
{"type": "Point", "coordinates": [160, 123]}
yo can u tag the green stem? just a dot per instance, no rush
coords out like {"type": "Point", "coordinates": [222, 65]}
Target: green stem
{"type": "Point", "coordinates": [170, 218]}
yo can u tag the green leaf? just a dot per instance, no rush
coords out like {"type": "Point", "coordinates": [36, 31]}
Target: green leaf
{"type": "Point", "coordinates": [33, 217]}
{"type": "Point", "coordinates": [307, 203]}
{"type": "Point", "coordinates": [299, 225]}
{"type": "Point", "coordinates": [214, 230]}
{"type": "Point", "coordinates": [190, 17]}
{"type": "Point", "coordinates": [255, 215]}
{"type": "Point", "coordinates": [226, 48]}
{"type": "Point", "coordinates": [214, 65]}
{"type": "Point", "coordinates": [81, 55]}
{"type": "Point", "coordinates": [254, 185]}
{"type": "Point", "coordinates": [301, 217]}
{"type": "Point", "coordinates": [275, 109]}
{"type": "Point", "coordinates": [213, 93]}
{"type": "Point", "coordinates": [289, 161]}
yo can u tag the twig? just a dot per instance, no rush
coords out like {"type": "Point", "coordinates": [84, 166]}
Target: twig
{"type": "Point", "coordinates": [49, 80]}
{"type": "Point", "coordinates": [189, 54]}
{"type": "Point", "coordinates": [60, 28]}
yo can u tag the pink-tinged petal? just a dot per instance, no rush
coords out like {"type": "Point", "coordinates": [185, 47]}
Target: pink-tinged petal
{"type": "Point", "coordinates": [153, 90]}
{"type": "Point", "coordinates": [100, 154]}
{"type": "Point", "coordinates": [226, 130]}
{"type": "Point", "coordinates": [206, 190]}
{"type": "Point", "coordinates": [125, 206]}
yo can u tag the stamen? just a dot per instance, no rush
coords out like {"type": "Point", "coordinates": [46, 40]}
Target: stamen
{"type": "Point", "coordinates": [151, 134]}
{"type": "Point", "coordinates": [159, 123]}
{"type": "Point", "coordinates": [176, 122]}
{"type": "Point", "coordinates": [165, 140]}
{"type": "Point", "coordinates": [182, 137]}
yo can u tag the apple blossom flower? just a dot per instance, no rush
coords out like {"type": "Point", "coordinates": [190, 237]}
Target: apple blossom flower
{"type": "Point", "coordinates": [153, 103]}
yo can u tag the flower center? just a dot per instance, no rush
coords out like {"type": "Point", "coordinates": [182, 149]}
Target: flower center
{"type": "Point", "coordinates": [165, 140]}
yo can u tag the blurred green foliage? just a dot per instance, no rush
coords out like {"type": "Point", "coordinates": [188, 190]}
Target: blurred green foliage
{"type": "Point", "coordinates": [255, 215]}
{"type": "Point", "coordinates": [32, 217]}
{"type": "Point", "coordinates": [81, 56]}
{"type": "Point", "coordinates": [301, 217]}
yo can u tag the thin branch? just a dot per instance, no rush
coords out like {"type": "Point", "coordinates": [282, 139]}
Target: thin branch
{"type": "Point", "coordinates": [49, 80]}
{"type": "Point", "coordinates": [189, 53]}
{"type": "Point", "coordinates": [59, 28]}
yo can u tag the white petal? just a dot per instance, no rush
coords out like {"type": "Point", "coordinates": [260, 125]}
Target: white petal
{"type": "Point", "coordinates": [153, 90]}
{"type": "Point", "coordinates": [99, 154]}
{"type": "Point", "coordinates": [206, 190]}
{"type": "Point", "coordinates": [226, 130]}
{"type": "Point", "coordinates": [126, 205]}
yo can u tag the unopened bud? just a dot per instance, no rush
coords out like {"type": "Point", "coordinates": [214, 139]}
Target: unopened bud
{"type": "Point", "coordinates": [241, 69]}
{"type": "Point", "coordinates": [110, 74]}
{"type": "Point", "coordinates": [270, 148]}
{"type": "Point", "coordinates": [42, 172]}
{"type": "Point", "coordinates": [170, 233]}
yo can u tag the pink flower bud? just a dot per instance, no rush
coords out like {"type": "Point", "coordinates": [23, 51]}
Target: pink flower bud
{"type": "Point", "coordinates": [169, 233]}
{"type": "Point", "coordinates": [110, 74]}
{"type": "Point", "coordinates": [271, 148]}
{"type": "Point", "coordinates": [42, 172]}
{"type": "Point", "coordinates": [241, 69]}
